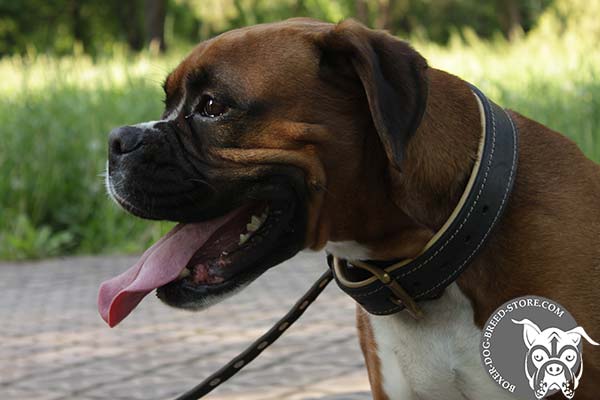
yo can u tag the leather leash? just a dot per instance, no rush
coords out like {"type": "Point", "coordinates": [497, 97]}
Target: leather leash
{"type": "Point", "coordinates": [255, 349]}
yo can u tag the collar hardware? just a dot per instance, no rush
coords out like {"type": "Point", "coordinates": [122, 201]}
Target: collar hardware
{"type": "Point", "coordinates": [399, 296]}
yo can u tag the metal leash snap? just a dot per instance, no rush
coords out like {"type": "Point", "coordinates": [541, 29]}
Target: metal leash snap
{"type": "Point", "coordinates": [401, 297]}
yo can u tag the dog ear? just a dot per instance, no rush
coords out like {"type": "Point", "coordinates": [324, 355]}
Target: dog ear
{"type": "Point", "coordinates": [530, 331]}
{"type": "Point", "coordinates": [577, 333]}
{"type": "Point", "coordinates": [392, 74]}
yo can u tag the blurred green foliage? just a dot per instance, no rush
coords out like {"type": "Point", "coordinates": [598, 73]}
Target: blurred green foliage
{"type": "Point", "coordinates": [55, 115]}
{"type": "Point", "coordinates": [63, 26]}
{"type": "Point", "coordinates": [93, 26]}
{"type": "Point", "coordinates": [55, 112]}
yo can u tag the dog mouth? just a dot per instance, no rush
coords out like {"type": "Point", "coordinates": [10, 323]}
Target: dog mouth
{"type": "Point", "coordinates": [198, 264]}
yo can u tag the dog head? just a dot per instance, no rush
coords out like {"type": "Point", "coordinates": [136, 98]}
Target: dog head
{"type": "Point", "coordinates": [553, 361]}
{"type": "Point", "coordinates": [266, 133]}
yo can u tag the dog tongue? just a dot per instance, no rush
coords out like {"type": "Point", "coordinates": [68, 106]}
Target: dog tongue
{"type": "Point", "coordinates": [160, 264]}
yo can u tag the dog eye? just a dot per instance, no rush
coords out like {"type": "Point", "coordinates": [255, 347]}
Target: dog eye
{"type": "Point", "coordinates": [569, 355]}
{"type": "Point", "coordinates": [209, 107]}
{"type": "Point", "coordinates": [538, 355]}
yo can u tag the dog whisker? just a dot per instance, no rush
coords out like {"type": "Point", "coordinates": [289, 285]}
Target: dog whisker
{"type": "Point", "coordinates": [204, 182]}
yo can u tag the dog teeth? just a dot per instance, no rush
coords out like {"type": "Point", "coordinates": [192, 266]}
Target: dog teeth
{"type": "Point", "coordinates": [184, 274]}
{"type": "Point", "coordinates": [256, 222]}
{"type": "Point", "coordinates": [254, 225]}
{"type": "Point", "coordinates": [244, 238]}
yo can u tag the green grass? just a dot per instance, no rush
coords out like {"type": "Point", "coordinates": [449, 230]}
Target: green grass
{"type": "Point", "coordinates": [556, 82]}
{"type": "Point", "coordinates": [55, 115]}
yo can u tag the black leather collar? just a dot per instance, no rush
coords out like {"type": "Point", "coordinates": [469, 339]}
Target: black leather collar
{"type": "Point", "coordinates": [389, 287]}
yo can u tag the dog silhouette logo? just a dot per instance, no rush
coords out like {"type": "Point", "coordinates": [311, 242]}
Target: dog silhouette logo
{"type": "Point", "coordinates": [553, 361]}
{"type": "Point", "coordinates": [532, 348]}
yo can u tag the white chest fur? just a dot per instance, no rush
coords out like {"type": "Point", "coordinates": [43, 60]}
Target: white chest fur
{"type": "Point", "coordinates": [436, 358]}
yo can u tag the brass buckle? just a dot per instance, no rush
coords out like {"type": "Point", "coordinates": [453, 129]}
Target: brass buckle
{"type": "Point", "coordinates": [401, 297]}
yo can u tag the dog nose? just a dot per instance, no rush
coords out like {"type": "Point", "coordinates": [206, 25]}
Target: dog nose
{"type": "Point", "coordinates": [554, 369]}
{"type": "Point", "coordinates": [124, 139]}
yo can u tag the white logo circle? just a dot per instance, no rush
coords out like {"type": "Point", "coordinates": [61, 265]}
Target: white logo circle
{"type": "Point", "coordinates": [531, 347]}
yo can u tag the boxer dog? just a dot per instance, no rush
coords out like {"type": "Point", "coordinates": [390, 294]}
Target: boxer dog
{"type": "Point", "coordinates": [553, 360]}
{"type": "Point", "coordinates": [309, 135]}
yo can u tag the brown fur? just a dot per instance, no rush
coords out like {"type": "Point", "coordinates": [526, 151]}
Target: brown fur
{"type": "Point", "coordinates": [368, 345]}
{"type": "Point", "coordinates": [390, 188]}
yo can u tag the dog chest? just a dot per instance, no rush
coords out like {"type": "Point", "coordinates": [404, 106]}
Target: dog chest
{"type": "Point", "coordinates": [436, 358]}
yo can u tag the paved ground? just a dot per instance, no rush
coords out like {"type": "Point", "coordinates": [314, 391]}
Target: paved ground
{"type": "Point", "coordinates": [53, 344]}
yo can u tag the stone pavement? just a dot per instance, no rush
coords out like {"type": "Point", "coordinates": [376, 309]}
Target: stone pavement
{"type": "Point", "coordinates": [54, 345]}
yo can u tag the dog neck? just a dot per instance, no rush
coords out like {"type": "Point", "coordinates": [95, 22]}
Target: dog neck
{"type": "Point", "coordinates": [402, 215]}
{"type": "Point", "coordinates": [462, 235]}
{"type": "Point", "coordinates": [441, 155]}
